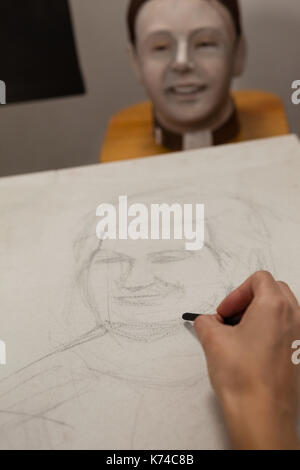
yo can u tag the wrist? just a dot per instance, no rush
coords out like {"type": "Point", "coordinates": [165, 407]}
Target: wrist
{"type": "Point", "coordinates": [258, 422]}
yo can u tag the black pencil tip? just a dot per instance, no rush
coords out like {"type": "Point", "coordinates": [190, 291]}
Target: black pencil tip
{"type": "Point", "coordinates": [190, 316]}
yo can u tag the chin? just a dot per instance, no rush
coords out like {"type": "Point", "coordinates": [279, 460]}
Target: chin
{"type": "Point", "coordinates": [189, 115]}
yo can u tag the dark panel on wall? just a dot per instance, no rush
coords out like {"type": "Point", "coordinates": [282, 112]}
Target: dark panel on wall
{"type": "Point", "coordinates": [38, 52]}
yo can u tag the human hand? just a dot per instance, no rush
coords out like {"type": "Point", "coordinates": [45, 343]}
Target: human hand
{"type": "Point", "coordinates": [250, 364]}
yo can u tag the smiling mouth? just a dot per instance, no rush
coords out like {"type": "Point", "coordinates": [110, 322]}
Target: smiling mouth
{"type": "Point", "coordinates": [145, 299]}
{"type": "Point", "coordinates": [139, 300]}
{"type": "Point", "coordinates": [187, 91]}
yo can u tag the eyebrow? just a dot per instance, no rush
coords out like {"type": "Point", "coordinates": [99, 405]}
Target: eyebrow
{"type": "Point", "coordinates": [162, 253]}
{"type": "Point", "coordinates": [158, 32]}
{"type": "Point", "coordinates": [111, 254]}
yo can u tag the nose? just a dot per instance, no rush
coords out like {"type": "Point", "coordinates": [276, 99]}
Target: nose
{"type": "Point", "coordinates": [137, 277]}
{"type": "Point", "coordinates": [182, 62]}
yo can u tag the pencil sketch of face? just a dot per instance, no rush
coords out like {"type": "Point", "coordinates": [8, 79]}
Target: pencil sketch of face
{"type": "Point", "coordinates": [152, 281]}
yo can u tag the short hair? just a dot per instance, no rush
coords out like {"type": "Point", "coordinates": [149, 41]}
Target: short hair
{"type": "Point", "coordinates": [135, 5]}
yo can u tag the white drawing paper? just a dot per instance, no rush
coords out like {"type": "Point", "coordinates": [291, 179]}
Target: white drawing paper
{"type": "Point", "coordinates": [97, 354]}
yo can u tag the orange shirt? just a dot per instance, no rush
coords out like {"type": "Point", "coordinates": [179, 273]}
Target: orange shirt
{"type": "Point", "coordinates": [130, 132]}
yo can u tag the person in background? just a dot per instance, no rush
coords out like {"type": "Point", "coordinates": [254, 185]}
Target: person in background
{"type": "Point", "coordinates": [186, 55]}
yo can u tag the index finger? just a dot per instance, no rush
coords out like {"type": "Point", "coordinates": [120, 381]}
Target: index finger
{"type": "Point", "coordinates": [240, 299]}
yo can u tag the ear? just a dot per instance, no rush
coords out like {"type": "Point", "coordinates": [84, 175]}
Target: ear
{"type": "Point", "coordinates": [133, 56]}
{"type": "Point", "coordinates": [240, 57]}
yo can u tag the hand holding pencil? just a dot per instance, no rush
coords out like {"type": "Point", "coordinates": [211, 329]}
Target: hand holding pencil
{"type": "Point", "coordinates": [250, 364]}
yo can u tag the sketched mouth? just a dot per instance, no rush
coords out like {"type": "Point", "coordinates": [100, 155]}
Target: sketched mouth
{"type": "Point", "coordinates": [145, 299]}
{"type": "Point", "coordinates": [148, 299]}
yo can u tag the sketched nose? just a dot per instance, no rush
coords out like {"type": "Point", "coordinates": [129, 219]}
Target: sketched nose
{"type": "Point", "coordinates": [138, 277]}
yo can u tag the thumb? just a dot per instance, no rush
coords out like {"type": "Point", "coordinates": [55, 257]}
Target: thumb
{"type": "Point", "coordinates": [208, 328]}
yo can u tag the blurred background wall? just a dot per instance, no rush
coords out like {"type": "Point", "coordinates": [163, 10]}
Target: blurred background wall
{"type": "Point", "coordinates": [68, 132]}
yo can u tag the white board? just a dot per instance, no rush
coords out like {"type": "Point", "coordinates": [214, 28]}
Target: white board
{"type": "Point", "coordinates": [97, 354]}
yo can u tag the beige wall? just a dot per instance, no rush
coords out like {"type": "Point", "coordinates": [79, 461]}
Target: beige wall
{"type": "Point", "coordinates": [68, 132]}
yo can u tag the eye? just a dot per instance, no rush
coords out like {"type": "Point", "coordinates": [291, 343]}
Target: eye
{"type": "Point", "coordinates": [205, 44]}
{"type": "Point", "coordinates": [110, 257]}
{"type": "Point", "coordinates": [165, 257]}
{"type": "Point", "coordinates": [161, 47]}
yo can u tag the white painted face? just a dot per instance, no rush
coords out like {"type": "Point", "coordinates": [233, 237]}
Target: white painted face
{"type": "Point", "coordinates": [186, 55]}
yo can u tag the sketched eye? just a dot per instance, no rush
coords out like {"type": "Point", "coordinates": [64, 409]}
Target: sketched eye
{"type": "Point", "coordinates": [164, 257]}
{"type": "Point", "coordinates": [110, 257]}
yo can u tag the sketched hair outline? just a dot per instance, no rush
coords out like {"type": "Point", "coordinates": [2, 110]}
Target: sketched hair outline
{"type": "Point", "coordinates": [234, 260]}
